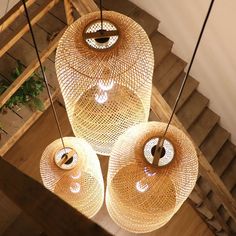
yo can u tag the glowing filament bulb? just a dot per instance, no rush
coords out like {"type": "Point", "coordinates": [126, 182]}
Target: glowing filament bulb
{"type": "Point", "coordinates": [75, 187]}
{"type": "Point", "coordinates": [101, 97]}
{"type": "Point", "coordinates": [141, 187]}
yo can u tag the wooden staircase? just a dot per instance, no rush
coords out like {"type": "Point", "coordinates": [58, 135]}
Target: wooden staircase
{"type": "Point", "coordinates": [193, 111]}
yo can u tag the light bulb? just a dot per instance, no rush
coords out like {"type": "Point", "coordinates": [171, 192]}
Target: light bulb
{"type": "Point", "coordinates": [101, 97]}
{"type": "Point", "coordinates": [105, 85]}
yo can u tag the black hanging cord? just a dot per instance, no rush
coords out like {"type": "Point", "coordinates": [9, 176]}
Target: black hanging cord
{"type": "Point", "coordinates": [101, 16]}
{"type": "Point", "coordinates": [160, 144]}
{"type": "Point", "coordinates": [43, 73]}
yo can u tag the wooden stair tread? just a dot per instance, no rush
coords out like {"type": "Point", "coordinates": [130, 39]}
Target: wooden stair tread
{"type": "Point", "coordinates": [192, 108]}
{"type": "Point", "coordinates": [6, 66]}
{"type": "Point", "coordinates": [215, 224]}
{"type": "Point", "coordinates": [224, 157]}
{"type": "Point", "coordinates": [229, 174]}
{"type": "Point", "coordinates": [214, 141]}
{"type": "Point", "coordinates": [148, 22]}
{"type": "Point", "coordinates": [203, 125]}
{"type": "Point", "coordinates": [57, 11]}
{"type": "Point", "coordinates": [213, 198]}
{"type": "Point", "coordinates": [10, 122]}
{"type": "Point", "coordinates": [232, 225]}
{"type": "Point", "coordinates": [161, 46]}
{"type": "Point", "coordinates": [166, 64]}
{"type": "Point", "coordinates": [23, 225]}
{"type": "Point", "coordinates": [223, 213]}
{"type": "Point", "coordinates": [25, 52]}
{"type": "Point", "coordinates": [164, 82]}
{"type": "Point", "coordinates": [41, 39]}
{"type": "Point", "coordinates": [171, 94]}
{"type": "Point", "coordinates": [124, 7]}
{"type": "Point", "coordinates": [7, 40]}
{"type": "Point", "coordinates": [234, 191]}
{"type": "Point", "coordinates": [204, 186]}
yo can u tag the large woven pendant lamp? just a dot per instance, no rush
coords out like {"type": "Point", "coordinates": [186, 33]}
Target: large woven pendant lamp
{"type": "Point", "coordinates": [141, 196]}
{"type": "Point", "coordinates": [152, 170]}
{"type": "Point", "coordinates": [78, 180]}
{"type": "Point", "coordinates": [105, 75]}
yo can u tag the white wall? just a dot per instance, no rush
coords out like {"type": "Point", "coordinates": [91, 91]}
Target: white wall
{"type": "Point", "coordinates": [5, 7]}
{"type": "Point", "coordinates": [215, 64]}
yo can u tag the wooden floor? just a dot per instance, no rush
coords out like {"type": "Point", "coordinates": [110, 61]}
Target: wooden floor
{"type": "Point", "coordinates": [26, 155]}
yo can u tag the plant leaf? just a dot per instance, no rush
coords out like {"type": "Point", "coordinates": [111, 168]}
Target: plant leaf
{"type": "Point", "coordinates": [38, 104]}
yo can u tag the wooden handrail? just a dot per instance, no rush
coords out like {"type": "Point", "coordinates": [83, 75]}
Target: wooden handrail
{"type": "Point", "coordinates": [11, 15]}
{"type": "Point", "coordinates": [68, 12]}
{"type": "Point", "coordinates": [7, 43]}
{"type": "Point", "coordinates": [56, 217]}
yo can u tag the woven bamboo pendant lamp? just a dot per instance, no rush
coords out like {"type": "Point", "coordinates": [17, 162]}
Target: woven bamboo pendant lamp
{"type": "Point", "coordinates": [78, 180]}
{"type": "Point", "coordinates": [142, 196]}
{"type": "Point", "coordinates": [105, 76]}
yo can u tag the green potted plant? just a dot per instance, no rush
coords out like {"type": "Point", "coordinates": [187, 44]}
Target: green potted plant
{"type": "Point", "coordinates": [27, 94]}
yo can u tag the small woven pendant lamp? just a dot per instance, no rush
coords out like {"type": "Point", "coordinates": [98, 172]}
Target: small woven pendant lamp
{"type": "Point", "coordinates": [78, 179]}
{"type": "Point", "coordinates": [105, 75]}
{"type": "Point", "coordinates": [142, 196]}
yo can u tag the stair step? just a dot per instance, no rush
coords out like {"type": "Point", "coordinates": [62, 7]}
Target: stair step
{"type": "Point", "coordinates": [223, 213]}
{"type": "Point", "coordinates": [214, 141]}
{"type": "Point", "coordinates": [148, 22]}
{"type": "Point", "coordinates": [228, 176]}
{"type": "Point", "coordinates": [234, 191]}
{"type": "Point", "coordinates": [215, 224]}
{"type": "Point", "coordinates": [204, 185]}
{"type": "Point", "coordinates": [195, 198]}
{"type": "Point", "coordinates": [171, 94]}
{"type": "Point", "coordinates": [23, 225]}
{"type": "Point", "coordinates": [6, 66]}
{"type": "Point", "coordinates": [224, 157]}
{"type": "Point", "coordinates": [192, 108]}
{"type": "Point", "coordinates": [168, 79]}
{"type": "Point", "coordinates": [161, 46]}
{"type": "Point", "coordinates": [204, 211]}
{"type": "Point", "coordinates": [58, 10]}
{"type": "Point", "coordinates": [221, 233]}
{"type": "Point", "coordinates": [125, 7]}
{"type": "Point", "coordinates": [214, 199]}
{"type": "Point", "coordinates": [232, 225]}
{"type": "Point", "coordinates": [203, 125]}
{"type": "Point", "coordinates": [166, 64]}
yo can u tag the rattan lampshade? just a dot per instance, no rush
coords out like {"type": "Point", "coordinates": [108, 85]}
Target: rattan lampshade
{"type": "Point", "coordinates": [79, 181]}
{"type": "Point", "coordinates": [105, 82]}
{"type": "Point", "coordinates": [141, 197]}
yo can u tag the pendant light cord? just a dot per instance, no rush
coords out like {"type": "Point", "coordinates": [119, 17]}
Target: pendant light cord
{"type": "Point", "coordinates": [161, 140]}
{"type": "Point", "coordinates": [43, 74]}
{"type": "Point", "coordinates": [101, 15]}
